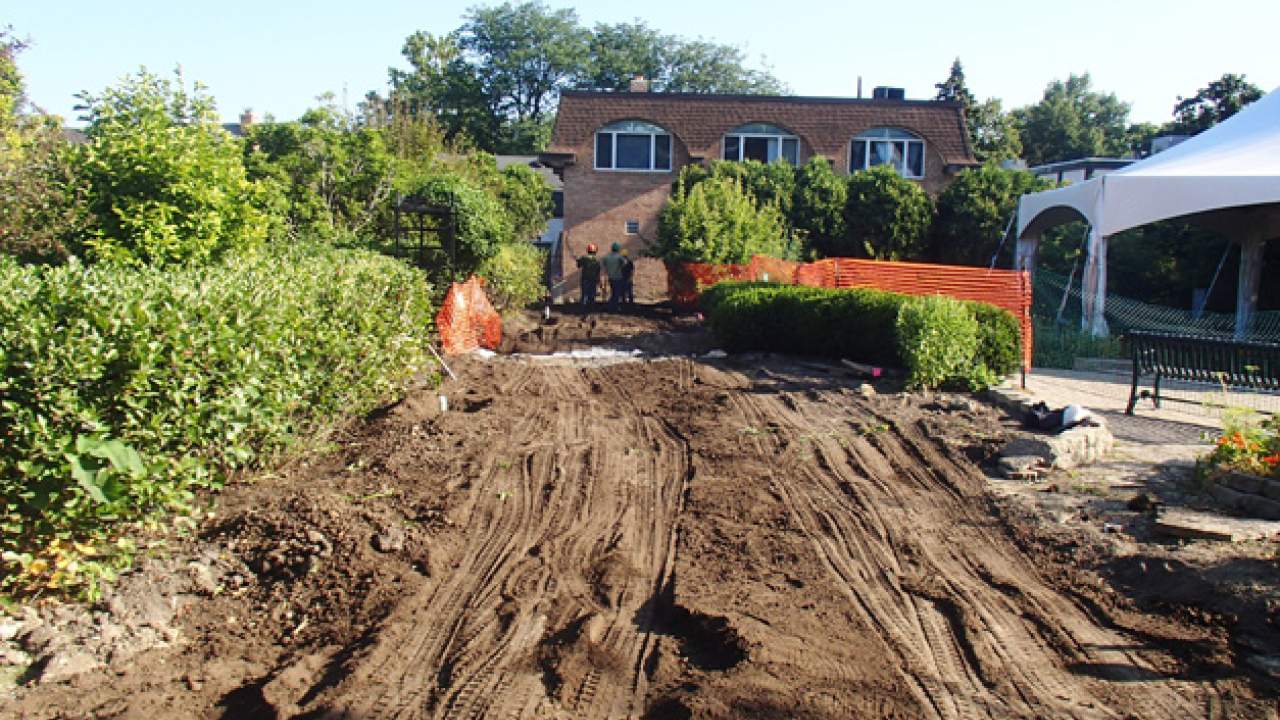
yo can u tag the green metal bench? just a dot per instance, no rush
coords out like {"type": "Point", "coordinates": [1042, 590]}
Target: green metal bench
{"type": "Point", "coordinates": [1217, 361]}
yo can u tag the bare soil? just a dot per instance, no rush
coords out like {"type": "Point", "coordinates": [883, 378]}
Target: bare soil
{"type": "Point", "coordinates": [665, 536]}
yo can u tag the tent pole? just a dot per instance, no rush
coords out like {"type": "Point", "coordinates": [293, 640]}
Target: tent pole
{"type": "Point", "coordinates": [1247, 289]}
{"type": "Point", "coordinates": [1093, 297]}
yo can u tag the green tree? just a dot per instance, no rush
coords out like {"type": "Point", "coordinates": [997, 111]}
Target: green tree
{"type": "Point", "coordinates": [701, 66]}
{"type": "Point", "coordinates": [166, 183]}
{"type": "Point", "coordinates": [1212, 104]}
{"type": "Point", "coordinates": [527, 199]}
{"type": "Point", "coordinates": [619, 52]}
{"type": "Point", "coordinates": [339, 174]}
{"type": "Point", "coordinates": [817, 210]}
{"type": "Point", "coordinates": [954, 89]}
{"type": "Point", "coordinates": [43, 205]}
{"type": "Point", "coordinates": [441, 84]}
{"type": "Point", "coordinates": [717, 221]}
{"type": "Point", "coordinates": [973, 212]}
{"type": "Point", "coordinates": [993, 132]}
{"type": "Point", "coordinates": [524, 54]}
{"type": "Point", "coordinates": [1072, 121]}
{"type": "Point", "coordinates": [886, 216]}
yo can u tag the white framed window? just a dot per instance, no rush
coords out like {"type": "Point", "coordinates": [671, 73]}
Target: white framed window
{"type": "Point", "coordinates": [888, 146]}
{"type": "Point", "coordinates": [633, 227]}
{"type": "Point", "coordinates": [633, 145]}
{"type": "Point", "coordinates": [763, 142]}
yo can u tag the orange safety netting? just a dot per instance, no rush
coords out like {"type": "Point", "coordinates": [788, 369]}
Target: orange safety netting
{"type": "Point", "coordinates": [467, 320]}
{"type": "Point", "coordinates": [1007, 289]}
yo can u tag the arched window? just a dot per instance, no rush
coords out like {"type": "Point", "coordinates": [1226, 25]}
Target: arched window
{"type": "Point", "coordinates": [633, 145]}
{"type": "Point", "coordinates": [888, 146]}
{"type": "Point", "coordinates": [759, 141]}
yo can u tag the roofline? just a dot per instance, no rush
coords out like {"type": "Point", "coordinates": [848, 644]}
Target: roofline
{"type": "Point", "coordinates": [1107, 162]}
{"type": "Point", "coordinates": [708, 97]}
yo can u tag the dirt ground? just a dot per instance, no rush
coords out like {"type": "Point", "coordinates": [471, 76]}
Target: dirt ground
{"type": "Point", "coordinates": [662, 534]}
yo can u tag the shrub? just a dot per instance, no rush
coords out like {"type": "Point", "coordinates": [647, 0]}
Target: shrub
{"type": "Point", "coordinates": [45, 200]}
{"type": "Point", "coordinates": [481, 223]}
{"type": "Point", "coordinates": [818, 207]}
{"type": "Point", "coordinates": [938, 339]}
{"type": "Point", "coordinates": [123, 389]}
{"type": "Point", "coordinates": [166, 182]}
{"type": "Point", "coordinates": [973, 212]}
{"type": "Point", "coordinates": [514, 276]}
{"type": "Point", "coordinates": [885, 216]}
{"type": "Point", "coordinates": [861, 324]}
{"type": "Point", "coordinates": [716, 221]}
{"type": "Point", "coordinates": [527, 199]}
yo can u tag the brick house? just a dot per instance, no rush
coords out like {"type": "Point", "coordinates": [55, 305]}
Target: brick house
{"type": "Point", "coordinates": [618, 153]}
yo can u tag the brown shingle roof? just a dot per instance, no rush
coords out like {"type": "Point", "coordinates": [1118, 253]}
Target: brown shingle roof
{"type": "Point", "coordinates": [825, 125]}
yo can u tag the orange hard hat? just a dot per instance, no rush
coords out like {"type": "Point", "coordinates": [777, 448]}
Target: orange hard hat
{"type": "Point", "coordinates": [591, 247]}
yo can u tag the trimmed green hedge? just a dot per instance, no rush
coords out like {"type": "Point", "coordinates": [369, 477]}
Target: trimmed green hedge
{"type": "Point", "coordinates": [859, 324]}
{"type": "Point", "coordinates": [123, 390]}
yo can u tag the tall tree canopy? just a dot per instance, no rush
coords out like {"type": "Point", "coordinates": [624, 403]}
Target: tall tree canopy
{"type": "Point", "coordinates": [1073, 121]}
{"type": "Point", "coordinates": [496, 78]}
{"type": "Point", "coordinates": [993, 134]}
{"type": "Point", "coordinates": [1212, 104]}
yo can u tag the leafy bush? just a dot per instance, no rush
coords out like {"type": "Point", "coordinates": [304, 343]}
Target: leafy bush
{"type": "Point", "coordinates": [860, 324]}
{"type": "Point", "coordinates": [45, 200]}
{"type": "Point", "coordinates": [973, 212]}
{"type": "Point", "coordinates": [886, 216]}
{"type": "Point", "coordinates": [481, 223]}
{"type": "Point", "coordinates": [527, 199]}
{"type": "Point", "coordinates": [125, 389]}
{"type": "Point", "coordinates": [166, 182]}
{"type": "Point", "coordinates": [514, 276]}
{"type": "Point", "coordinates": [716, 221]}
{"type": "Point", "coordinates": [938, 339]}
{"type": "Point", "coordinates": [818, 206]}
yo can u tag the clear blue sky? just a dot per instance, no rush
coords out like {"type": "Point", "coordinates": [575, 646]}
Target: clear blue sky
{"type": "Point", "coordinates": [276, 56]}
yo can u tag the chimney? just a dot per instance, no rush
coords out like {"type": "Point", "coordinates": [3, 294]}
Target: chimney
{"type": "Point", "coordinates": [639, 84]}
{"type": "Point", "coordinates": [246, 118]}
{"type": "Point", "coordinates": [859, 87]}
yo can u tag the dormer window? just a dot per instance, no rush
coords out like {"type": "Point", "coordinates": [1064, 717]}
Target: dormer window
{"type": "Point", "coordinates": [762, 142]}
{"type": "Point", "coordinates": [888, 146]}
{"type": "Point", "coordinates": [633, 145]}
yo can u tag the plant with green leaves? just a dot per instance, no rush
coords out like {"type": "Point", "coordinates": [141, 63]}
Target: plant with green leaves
{"type": "Point", "coordinates": [514, 276]}
{"type": "Point", "coordinates": [974, 211]}
{"type": "Point", "coordinates": [817, 210]}
{"type": "Point", "coordinates": [939, 340]}
{"type": "Point", "coordinates": [717, 221]}
{"type": "Point", "coordinates": [527, 199]}
{"type": "Point", "coordinates": [123, 390]}
{"type": "Point", "coordinates": [166, 183]}
{"type": "Point", "coordinates": [886, 216]}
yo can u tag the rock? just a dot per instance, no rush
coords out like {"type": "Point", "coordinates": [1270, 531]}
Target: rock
{"type": "Point", "coordinates": [9, 629]}
{"type": "Point", "coordinates": [391, 540]}
{"type": "Point", "coordinates": [67, 664]}
{"type": "Point", "coordinates": [202, 578]}
{"type": "Point", "coordinates": [867, 390]}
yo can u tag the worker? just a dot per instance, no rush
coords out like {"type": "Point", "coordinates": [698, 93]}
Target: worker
{"type": "Point", "coordinates": [589, 271]}
{"type": "Point", "coordinates": [628, 279]}
{"type": "Point", "coordinates": [613, 268]}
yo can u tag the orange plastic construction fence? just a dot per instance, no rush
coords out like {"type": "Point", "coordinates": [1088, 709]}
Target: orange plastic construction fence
{"type": "Point", "coordinates": [1007, 289]}
{"type": "Point", "coordinates": [467, 320]}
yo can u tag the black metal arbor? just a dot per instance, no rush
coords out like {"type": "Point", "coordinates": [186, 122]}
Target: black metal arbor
{"type": "Point", "coordinates": [425, 232]}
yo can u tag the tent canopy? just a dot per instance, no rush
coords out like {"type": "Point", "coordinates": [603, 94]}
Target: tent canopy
{"type": "Point", "coordinates": [1231, 165]}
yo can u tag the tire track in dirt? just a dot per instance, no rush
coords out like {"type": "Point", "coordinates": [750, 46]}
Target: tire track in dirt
{"type": "Point", "coordinates": [972, 628]}
{"type": "Point", "coordinates": [549, 606]}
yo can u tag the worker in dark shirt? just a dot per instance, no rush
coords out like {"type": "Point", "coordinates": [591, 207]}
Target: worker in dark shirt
{"type": "Point", "coordinates": [613, 268]}
{"type": "Point", "coordinates": [589, 270]}
{"type": "Point", "coordinates": [628, 280]}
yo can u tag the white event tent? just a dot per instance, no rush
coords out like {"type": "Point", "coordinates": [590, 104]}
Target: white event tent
{"type": "Point", "coordinates": [1227, 178]}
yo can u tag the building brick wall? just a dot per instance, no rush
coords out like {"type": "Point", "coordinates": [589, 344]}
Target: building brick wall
{"type": "Point", "coordinates": [599, 203]}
